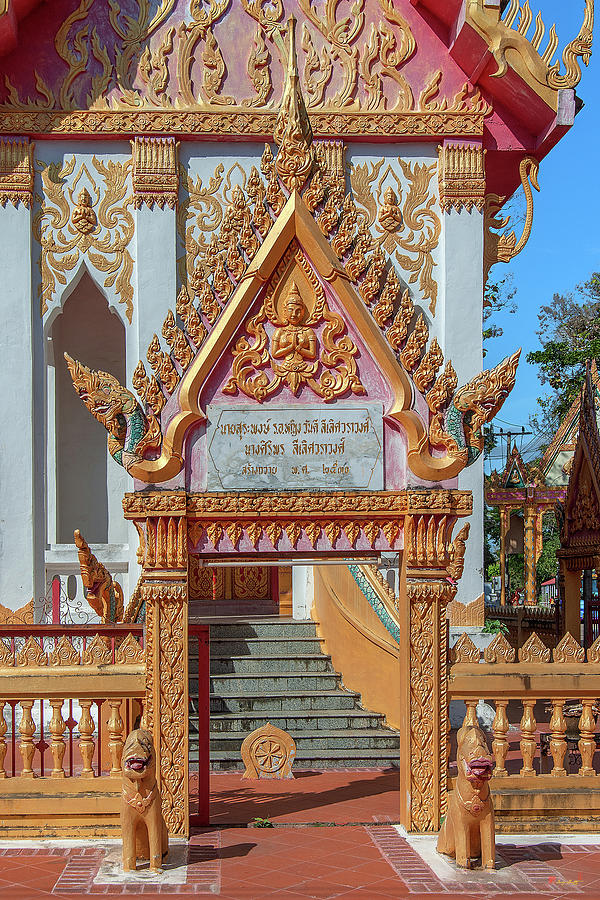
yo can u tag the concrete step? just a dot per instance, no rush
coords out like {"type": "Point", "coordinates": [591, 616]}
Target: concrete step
{"type": "Point", "coordinates": [263, 647]}
{"type": "Point", "coordinates": [276, 627]}
{"type": "Point", "coordinates": [261, 665]}
{"type": "Point", "coordinates": [353, 740]}
{"type": "Point", "coordinates": [282, 701]}
{"type": "Point", "coordinates": [222, 761]}
{"type": "Point", "coordinates": [298, 720]}
{"type": "Point", "coordinates": [267, 682]}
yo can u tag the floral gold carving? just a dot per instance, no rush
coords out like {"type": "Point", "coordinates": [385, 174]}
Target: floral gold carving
{"type": "Point", "coordinates": [64, 654]}
{"type": "Point", "coordinates": [464, 650]}
{"type": "Point", "coordinates": [568, 650]}
{"type": "Point", "coordinates": [16, 172]}
{"type": "Point", "coordinates": [499, 651]}
{"type": "Point", "coordinates": [461, 177]}
{"type": "Point", "coordinates": [293, 133]}
{"type": "Point", "coordinates": [6, 655]}
{"type": "Point", "coordinates": [405, 224]}
{"type": "Point", "coordinates": [534, 650]}
{"type": "Point", "coordinates": [593, 654]}
{"type": "Point", "coordinates": [503, 247]}
{"type": "Point", "coordinates": [31, 654]}
{"type": "Point", "coordinates": [71, 223]}
{"type": "Point", "coordinates": [155, 176]}
{"type": "Point", "coordinates": [294, 352]}
{"type": "Point", "coordinates": [129, 652]}
{"type": "Point", "coordinates": [97, 652]}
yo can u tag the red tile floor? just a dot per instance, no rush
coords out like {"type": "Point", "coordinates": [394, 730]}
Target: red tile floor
{"type": "Point", "coordinates": [296, 863]}
{"type": "Point", "coordinates": [355, 853]}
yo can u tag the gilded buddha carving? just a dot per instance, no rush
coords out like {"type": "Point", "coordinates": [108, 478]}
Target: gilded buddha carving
{"type": "Point", "coordinates": [294, 342]}
{"type": "Point", "coordinates": [390, 215]}
{"type": "Point", "coordinates": [83, 217]}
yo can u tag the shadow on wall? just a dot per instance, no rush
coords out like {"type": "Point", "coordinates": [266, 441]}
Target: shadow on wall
{"type": "Point", "coordinates": [88, 331]}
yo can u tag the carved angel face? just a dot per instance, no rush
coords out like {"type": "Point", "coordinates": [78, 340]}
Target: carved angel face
{"type": "Point", "coordinates": [294, 311]}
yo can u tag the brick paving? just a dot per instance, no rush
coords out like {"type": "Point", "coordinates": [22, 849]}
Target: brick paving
{"type": "Point", "coordinates": [327, 863]}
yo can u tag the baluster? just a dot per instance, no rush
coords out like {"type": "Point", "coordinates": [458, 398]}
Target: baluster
{"type": "Point", "coordinates": [527, 743]}
{"type": "Point", "coordinates": [500, 742]}
{"type": "Point", "coordinates": [3, 730]}
{"type": "Point", "coordinates": [57, 727]}
{"type": "Point", "coordinates": [27, 730]}
{"type": "Point", "coordinates": [471, 714]}
{"type": "Point", "coordinates": [86, 740]}
{"type": "Point", "coordinates": [115, 731]}
{"type": "Point", "coordinates": [558, 744]}
{"type": "Point", "coordinates": [587, 743]}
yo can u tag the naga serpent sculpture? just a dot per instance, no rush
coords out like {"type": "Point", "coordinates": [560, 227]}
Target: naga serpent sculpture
{"type": "Point", "coordinates": [131, 433]}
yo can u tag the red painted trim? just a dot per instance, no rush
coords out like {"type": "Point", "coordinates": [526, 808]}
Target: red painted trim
{"type": "Point", "coordinates": [201, 634]}
{"type": "Point", "coordinates": [274, 573]}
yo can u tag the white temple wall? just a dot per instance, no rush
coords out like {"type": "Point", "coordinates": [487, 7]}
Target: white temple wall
{"type": "Point", "coordinates": [157, 253]}
{"type": "Point", "coordinates": [461, 321]}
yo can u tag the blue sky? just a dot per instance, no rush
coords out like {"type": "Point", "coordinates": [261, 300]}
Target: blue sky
{"type": "Point", "coordinates": [564, 248]}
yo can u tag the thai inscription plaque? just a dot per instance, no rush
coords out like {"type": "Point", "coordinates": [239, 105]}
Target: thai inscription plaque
{"type": "Point", "coordinates": [295, 447]}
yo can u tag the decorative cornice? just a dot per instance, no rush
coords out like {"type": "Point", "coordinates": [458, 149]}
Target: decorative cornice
{"type": "Point", "coordinates": [240, 123]}
{"type": "Point", "coordinates": [250, 505]}
{"type": "Point", "coordinates": [461, 176]}
{"type": "Point", "coordinates": [155, 175]}
{"type": "Point", "coordinates": [16, 172]}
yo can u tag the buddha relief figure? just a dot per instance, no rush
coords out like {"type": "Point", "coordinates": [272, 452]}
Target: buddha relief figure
{"type": "Point", "coordinates": [294, 342]}
{"type": "Point", "coordinates": [83, 217]}
{"type": "Point", "coordinates": [390, 216]}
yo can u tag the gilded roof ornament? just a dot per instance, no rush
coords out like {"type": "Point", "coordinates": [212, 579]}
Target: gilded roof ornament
{"type": "Point", "coordinates": [293, 134]}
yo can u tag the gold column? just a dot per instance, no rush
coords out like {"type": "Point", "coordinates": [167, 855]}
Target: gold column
{"type": "Point", "coordinates": [162, 524]}
{"type": "Point", "coordinates": [572, 610]}
{"type": "Point", "coordinates": [530, 558]}
{"type": "Point", "coordinates": [425, 593]}
{"type": "Point", "coordinates": [504, 515]}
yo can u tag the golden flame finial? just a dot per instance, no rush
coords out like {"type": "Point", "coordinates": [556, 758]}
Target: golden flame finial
{"type": "Point", "coordinates": [293, 134]}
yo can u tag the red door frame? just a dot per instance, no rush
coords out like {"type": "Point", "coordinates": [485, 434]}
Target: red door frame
{"type": "Point", "coordinates": [200, 799]}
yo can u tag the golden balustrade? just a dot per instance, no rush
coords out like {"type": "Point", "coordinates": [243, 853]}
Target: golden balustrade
{"type": "Point", "coordinates": [546, 705]}
{"type": "Point", "coordinates": [67, 701]}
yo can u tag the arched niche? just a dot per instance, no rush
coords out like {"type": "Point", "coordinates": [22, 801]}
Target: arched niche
{"type": "Point", "coordinates": [85, 487]}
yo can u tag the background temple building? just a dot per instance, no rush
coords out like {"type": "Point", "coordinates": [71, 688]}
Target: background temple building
{"type": "Point", "coordinates": [255, 239]}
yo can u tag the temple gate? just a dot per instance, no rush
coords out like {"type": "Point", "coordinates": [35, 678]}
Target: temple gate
{"type": "Point", "coordinates": [301, 325]}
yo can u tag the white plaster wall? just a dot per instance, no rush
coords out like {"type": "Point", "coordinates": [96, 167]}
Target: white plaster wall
{"type": "Point", "coordinates": [461, 324]}
{"type": "Point", "coordinates": [19, 500]}
{"type": "Point", "coordinates": [303, 591]}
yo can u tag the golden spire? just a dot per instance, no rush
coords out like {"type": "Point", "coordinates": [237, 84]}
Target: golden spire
{"type": "Point", "coordinates": [293, 134]}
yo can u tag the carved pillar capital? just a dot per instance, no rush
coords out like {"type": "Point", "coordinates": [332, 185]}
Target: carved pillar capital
{"type": "Point", "coordinates": [16, 171]}
{"type": "Point", "coordinates": [155, 175]}
{"type": "Point", "coordinates": [461, 176]}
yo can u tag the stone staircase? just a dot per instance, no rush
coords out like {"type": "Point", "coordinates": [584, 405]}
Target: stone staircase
{"type": "Point", "coordinates": [273, 670]}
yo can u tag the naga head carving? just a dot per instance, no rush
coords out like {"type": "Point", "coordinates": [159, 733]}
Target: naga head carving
{"type": "Point", "coordinates": [104, 595]}
{"type": "Point", "coordinates": [478, 401]}
{"type": "Point", "coordinates": [130, 431]}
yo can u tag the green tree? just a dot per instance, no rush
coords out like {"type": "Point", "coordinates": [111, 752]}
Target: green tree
{"type": "Point", "coordinates": [570, 335]}
{"type": "Point", "coordinates": [498, 296]}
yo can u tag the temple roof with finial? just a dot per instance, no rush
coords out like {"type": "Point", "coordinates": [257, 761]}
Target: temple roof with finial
{"type": "Point", "coordinates": [293, 132]}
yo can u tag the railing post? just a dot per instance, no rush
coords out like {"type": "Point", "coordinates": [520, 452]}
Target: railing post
{"type": "Point", "coordinates": [115, 732]}
{"type": "Point", "coordinates": [3, 730]}
{"type": "Point", "coordinates": [27, 730]}
{"type": "Point", "coordinates": [527, 744]}
{"type": "Point", "coordinates": [86, 743]}
{"type": "Point", "coordinates": [57, 727]}
{"type": "Point", "coordinates": [587, 744]}
{"type": "Point", "coordinates": [558, 744]}
{"type": "Point", "coordinates": [500, 743]}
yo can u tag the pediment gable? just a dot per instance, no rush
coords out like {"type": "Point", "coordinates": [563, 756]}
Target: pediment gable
{"type": "Point", "coordinates": [582, 504]}
{"type": "Point", "coordinates": [347, 283]}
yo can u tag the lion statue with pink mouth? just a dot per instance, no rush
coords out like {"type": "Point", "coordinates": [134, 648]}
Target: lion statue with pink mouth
{"type": "Point", "coordinates": [468, 830]}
